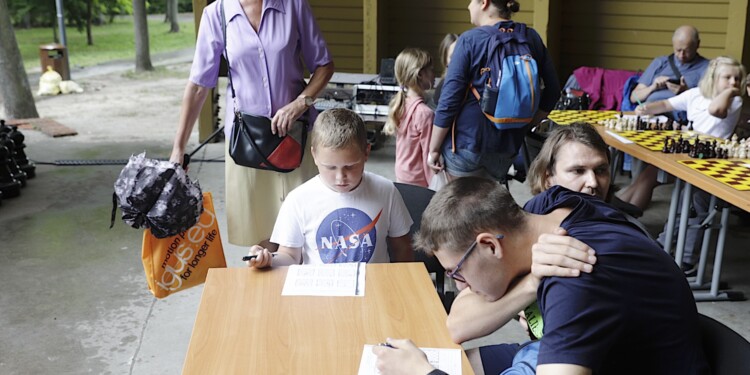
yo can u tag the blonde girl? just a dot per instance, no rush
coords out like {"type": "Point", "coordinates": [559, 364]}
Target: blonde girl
{"type": "Point", "coordinates": [714, 107]}
{"type": "Point", "coordinates": [410, 118]}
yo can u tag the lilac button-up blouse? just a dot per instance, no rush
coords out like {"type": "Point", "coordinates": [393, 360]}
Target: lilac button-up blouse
{"type": "Point", "coordinates": [266, 65]}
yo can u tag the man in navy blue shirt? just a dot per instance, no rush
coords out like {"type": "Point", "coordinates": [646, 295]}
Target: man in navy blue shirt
{"type": "Point", "coordinates": [633, 314]}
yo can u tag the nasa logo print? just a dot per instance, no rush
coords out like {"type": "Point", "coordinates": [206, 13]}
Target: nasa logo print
{"type": "Point", "coordinates": [347, 235]}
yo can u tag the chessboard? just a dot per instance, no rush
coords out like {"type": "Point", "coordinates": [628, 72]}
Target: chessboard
{"type": "Point", "coordinates": [567, 117]}
{"type": "Point", "coordinates": [654, 139]}
{"type": "Point", "coordinates": [732, 172]}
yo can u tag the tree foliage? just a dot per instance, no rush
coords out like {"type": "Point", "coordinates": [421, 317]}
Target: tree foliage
{"type": "Point", "coordinates": [41, 13]}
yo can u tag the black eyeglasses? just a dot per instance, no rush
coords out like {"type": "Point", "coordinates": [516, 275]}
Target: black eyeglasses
{"type": "Point", "coordinates": [453, 274]}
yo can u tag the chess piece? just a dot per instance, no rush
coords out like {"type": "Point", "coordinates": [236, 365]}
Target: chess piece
{"type": "Point", "coordinates": [713, 151]}
{"type": "Point", "coordinates": [9, 186]}
{"type": "Point", "coordinates": [19, 155]}
{"type": "Point", "coordinates": [665, 149]}
{"type": "Point", "coordinates": [690, 126]}
{"type": "Point", "coordinates": [15, 171]}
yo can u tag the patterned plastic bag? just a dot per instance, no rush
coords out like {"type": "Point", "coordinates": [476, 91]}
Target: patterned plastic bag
{"type": "Point", "coordinates": [157, 195]}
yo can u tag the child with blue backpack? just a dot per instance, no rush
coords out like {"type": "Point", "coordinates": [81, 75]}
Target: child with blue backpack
{"type": "Point", "coordinates": [490, 61]}
{"type": "Point", "coordinates": [410, 118]}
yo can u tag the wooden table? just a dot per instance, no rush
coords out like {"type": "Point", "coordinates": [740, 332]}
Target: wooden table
{"type": "Point", "coordinates": [669, 163]}
{"type": "Point", "coordinates": [688, 177]}
{"type": "Point", "coordinates": [245, 326]}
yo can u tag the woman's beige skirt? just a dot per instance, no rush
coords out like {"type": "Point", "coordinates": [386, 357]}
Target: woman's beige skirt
{"type": "Point", "coordinates": [254, 197]}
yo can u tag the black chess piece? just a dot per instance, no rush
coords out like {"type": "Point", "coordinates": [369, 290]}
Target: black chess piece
{"type": "Point", "coordinates": [693, 153]}
{"type": "Point", "coordinates": [672, 146]}
{"type": "Point", "coordinates": [665, 149]}
{"type": "Point", "coordinates": [9, 186]}
{"type": "Point", "coordinates": [668, 125]}
{"type": "Point", "coordinates": [712, 150]}
{"type": "Point", "coordinates": [15, 171]}
{"type": "Point", "coordinates": [21, 159]}
{"type": "Point", "coordinates": [690, 126]}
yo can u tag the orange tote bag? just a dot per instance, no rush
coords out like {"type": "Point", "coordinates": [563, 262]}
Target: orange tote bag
{"type": "Point", "coordinates": [182, 261]}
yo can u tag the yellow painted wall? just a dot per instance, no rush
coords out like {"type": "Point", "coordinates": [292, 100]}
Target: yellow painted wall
{"type": "Point", "coordinates": [626, 34]}
{"type": "Point", "coordinates": [341, 24]}
{"type": "Point", "coordinates": [614, 34]}
{"type": "Point", "coordinates": [424, 23]}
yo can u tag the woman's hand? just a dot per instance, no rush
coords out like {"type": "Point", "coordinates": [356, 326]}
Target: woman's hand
{"type": "Point", "coordinates": [403, 357]}
{"type": "Point", "coordinates": [285, 117]}
{"type": "Point", "coordinates": [264, 257]}
{"type": "Point", "coordinates": [561, 255]}
{"type": "Point", "coordinates": [435, 160]}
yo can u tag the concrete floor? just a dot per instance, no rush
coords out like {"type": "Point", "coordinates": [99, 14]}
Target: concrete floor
{"type": "Point", "coordinates": [74, 299]}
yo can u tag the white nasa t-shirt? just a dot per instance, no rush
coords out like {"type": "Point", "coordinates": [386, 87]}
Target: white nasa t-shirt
{"type": "Point", "coordinates": [334, 227]}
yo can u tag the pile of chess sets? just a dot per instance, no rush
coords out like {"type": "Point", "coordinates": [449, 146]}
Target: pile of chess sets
{"type": "Point", "coordinates": [685, 142]}
{"type": "Point", "coordinates": [15, 167]}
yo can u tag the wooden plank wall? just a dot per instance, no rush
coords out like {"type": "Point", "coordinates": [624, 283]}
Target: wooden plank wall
{"type": "Point", "coordinates": [341, 24]}
{"type": "Point", "coordinates": [626, 34]}
{"type": "Point", "coordinates": [424, 23]}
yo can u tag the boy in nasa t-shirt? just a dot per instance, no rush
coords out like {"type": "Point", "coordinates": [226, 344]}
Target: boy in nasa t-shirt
{"type": "Point", "coordinates": [343, 214]}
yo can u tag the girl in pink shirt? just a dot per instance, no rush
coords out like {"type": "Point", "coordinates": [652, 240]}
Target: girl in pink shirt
{"type": "Point", "coordinates": [410, 118]}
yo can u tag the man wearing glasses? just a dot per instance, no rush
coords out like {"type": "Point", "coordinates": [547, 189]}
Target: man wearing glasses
{"type": "Point", "coordinates": [633, 314]}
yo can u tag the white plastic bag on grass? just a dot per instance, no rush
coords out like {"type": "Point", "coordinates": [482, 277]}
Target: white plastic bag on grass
{"type": "Point", "coordinates": [49, 82]}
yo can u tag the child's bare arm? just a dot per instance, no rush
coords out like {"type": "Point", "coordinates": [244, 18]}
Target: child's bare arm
{"type": "Point", "coordinates": [285, 256]}
{"type": "Point", "coordinates": [721, 103]}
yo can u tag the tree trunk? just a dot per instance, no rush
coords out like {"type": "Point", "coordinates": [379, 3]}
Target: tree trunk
{"type": "Point", "coordinates": [172, 9]}
{"type": "Point", "coordinates": [140, 24]}
{"type": "Point", "coordinates": [18, 101]}
{"type": "Point", "coordinates": [89, 37]}
{"type": "Point", "coordinates": [168, 10]}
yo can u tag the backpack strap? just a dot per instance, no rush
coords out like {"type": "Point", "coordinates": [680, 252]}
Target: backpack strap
{"type": "Point", "coordinates": [114, 210]}
{"type": "Point", "coordinates": [676, 71]}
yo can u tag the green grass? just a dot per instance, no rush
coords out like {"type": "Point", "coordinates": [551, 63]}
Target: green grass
{"type": "Point", "coordinates": [112, 41]}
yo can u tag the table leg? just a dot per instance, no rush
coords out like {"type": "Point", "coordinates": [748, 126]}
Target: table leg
{"type": "Point", "coordinates": [672, 215]}
{"type": "Point", "coordinates": [714, 294]}
{"type": "Point", "coordinates": [682, 229]}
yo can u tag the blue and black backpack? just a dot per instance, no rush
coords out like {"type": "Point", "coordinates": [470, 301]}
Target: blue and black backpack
{"type": "Point", "coordinates": [511, 93]}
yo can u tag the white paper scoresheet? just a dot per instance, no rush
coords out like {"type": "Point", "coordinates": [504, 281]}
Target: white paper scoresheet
{"type": "Point", "coordinates": [340, 279]}
{"type": "Point", "coordinates": [448, 360]}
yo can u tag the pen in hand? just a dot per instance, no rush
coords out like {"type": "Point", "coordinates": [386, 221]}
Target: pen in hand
{"type": "Point", "coordinates": [247, 258]}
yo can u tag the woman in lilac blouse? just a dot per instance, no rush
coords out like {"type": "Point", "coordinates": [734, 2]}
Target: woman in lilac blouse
{"type": "Point", "coordinates": [267, 43]}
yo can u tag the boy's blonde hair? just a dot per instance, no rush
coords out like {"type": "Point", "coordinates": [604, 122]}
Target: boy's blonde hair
{"type": "Point", "coordinates": [409, 63]}
{"type": "Point", "coordinates": [707, 84]}
{"type": "Point", "coordinates": [339, 128]}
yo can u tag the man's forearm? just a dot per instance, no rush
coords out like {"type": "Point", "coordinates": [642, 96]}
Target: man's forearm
{"type": "Point", "coordinates": [472, 316]}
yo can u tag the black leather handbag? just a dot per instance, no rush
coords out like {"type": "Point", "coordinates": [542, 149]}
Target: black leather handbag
{"type": "Point", "coordinates": [252, 144]}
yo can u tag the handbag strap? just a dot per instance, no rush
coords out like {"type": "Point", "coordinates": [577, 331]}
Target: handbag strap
{"type": "Point", "coordinates": [226, 55]}
{"type": "Point", "coordinates": [676, 71]}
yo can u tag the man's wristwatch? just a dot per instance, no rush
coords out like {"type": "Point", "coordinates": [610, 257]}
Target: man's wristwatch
{"type": "Point", "coordinates": [308, 100]}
